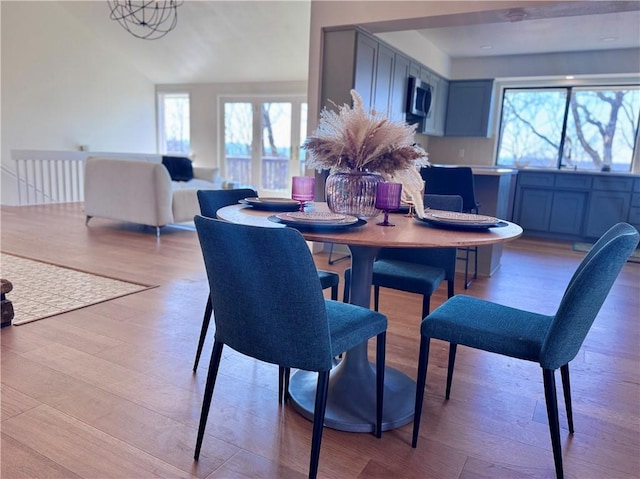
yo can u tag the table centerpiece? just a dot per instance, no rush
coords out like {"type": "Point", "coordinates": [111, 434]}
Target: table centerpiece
{"type": "Point", "coordinates": [360, 149]}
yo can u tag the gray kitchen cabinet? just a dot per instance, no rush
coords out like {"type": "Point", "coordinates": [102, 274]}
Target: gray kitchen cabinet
{"type": "Point", "coordinates": [365, 69]}
{"type": "Point", "coordinates": [355, 60]}
{"type": "Point", "coordinates": [398, 103]}
{"type": "Point", "coordinates": [429, 125]}
{"type": "Point", "coordinates": [548, 204]}
{"type": "Point", "coordinates": [575, 206]}
{"type": "Point", "coordinates": [441, 107]}
{"type": "Point", "coordinates": [610, 204]}
{"type": "Point", "coordinates": [414, 70]}
{"type": "Point", "coordinates": [385, 61]}
{"type": "Point", "coordinates": [567, 211]}
{"type": "Point", "coordinates": [435, 122]}
{"type": "Point", "coordinates": [533, 209]}
{"type": "Point", "coordinates": [469, 108]}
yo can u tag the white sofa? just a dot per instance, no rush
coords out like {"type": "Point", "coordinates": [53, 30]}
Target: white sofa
{"type": "Point", "coordinates": [142, 192]}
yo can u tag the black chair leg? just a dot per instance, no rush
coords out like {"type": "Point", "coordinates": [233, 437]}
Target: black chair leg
{"type": "Point", "coordinates": [347, 286]}
{"type": "Point", "coordinates": [475, 262]}
{"type": "Point", "coordinates": [381, 342]}
{"type": "Point", "coordinates": [426, 305]}
{"type": "Point", "coordinates": [421, 380]}
{"type": "Point", "coordinates": [208, 393]}
{"type": "Point", "coordinates": [452, 361]}
{"type": "Point", "coordinates": [466, 269]}
{"type": "Point", "coordinates": [334, 292]}
{"type": "Point", "coordinates": [318, 421]}
{"type": "Point", "coordinates": [450, 288]}
{"type": "Point", "coordinates": [552, 413]}
{"type": "Point", "coordinates": [566, 387]}
{"type": "Point", "coordinates": [208, 311]}
{"type": "Point", "coordinates": [376, 297]}
{"type": "Point", "coordinates": [283, 384]}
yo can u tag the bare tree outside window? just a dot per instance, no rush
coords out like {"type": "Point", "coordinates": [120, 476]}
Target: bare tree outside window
{"type": "Point", "coordinates": [262, 139]}
{"type": "Point", "coordinates": [594, 130]}
{"type": "Point", "coordinates": [175, 128]}
{"type": "Point", "coordinates": [238, 138]}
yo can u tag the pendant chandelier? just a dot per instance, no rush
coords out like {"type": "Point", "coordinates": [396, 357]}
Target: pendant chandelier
{"type": "Point", "coordinates": [146, 19]}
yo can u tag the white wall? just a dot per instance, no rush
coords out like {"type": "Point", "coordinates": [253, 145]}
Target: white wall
{"type": "Point", "coordinates": [61, 88]}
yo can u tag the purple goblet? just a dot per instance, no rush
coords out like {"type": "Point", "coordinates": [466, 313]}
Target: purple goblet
{"type": "Point", "coordinates": [388, 197]}
{"type": "Point", "coordinates": [303, 189]}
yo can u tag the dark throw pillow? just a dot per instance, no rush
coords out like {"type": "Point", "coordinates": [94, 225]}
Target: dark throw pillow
{"type": "Point", "coordinates": [179, 167]}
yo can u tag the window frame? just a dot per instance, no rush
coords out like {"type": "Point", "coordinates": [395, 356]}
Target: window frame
{"type": "Point", "coordinates": [160, 121]}
{"type": "Point", "coordinates": [296, 167]}
{"type": "Point", "coordinates": [502, 85]}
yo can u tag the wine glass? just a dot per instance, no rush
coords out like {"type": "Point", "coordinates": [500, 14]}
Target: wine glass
{"type": "Point", "coordinates": [388, 199]}
{"type": "Point", "coordinates": [303, 189]}
{"type": "Point", "coordinates": [406, 198]}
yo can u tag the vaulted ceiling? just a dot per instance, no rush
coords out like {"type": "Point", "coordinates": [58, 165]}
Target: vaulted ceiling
{"type": "Point", "coordinates": [235, 41]}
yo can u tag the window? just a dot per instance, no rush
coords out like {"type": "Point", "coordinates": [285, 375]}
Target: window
{"type": "Point", "coordinates": [262, 142]}
{"type": "Point", "coordinates": [582, 128]}
{"type": "Point", "coordinates": [174, 135]}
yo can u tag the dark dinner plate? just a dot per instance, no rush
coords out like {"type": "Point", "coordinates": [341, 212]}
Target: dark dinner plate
{"type": "Point", "coordinates": [306, 226]}
{"type": "Point", "coordinates": [272, 204]}
{"type": "Point", "coordinates": [459, 226]}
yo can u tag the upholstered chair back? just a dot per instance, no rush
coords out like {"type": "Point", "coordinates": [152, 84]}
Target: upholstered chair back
{"type": "Point", "coordinates": [585, 295]}
{"type": "Point", "coordinates": [266, 294]}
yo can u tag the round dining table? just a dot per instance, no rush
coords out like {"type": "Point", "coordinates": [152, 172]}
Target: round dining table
{"type": "Point", "coordinates": [352, 392]}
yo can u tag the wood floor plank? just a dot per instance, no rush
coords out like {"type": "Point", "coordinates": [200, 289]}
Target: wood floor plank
{"type": "Point", "coordinates": [14, 402]}
{"type": "Point", "coordinates": [245, 465]}
{"type": "Point", "coordinates": [147, 430]}
{"type": "Point", "coordinates": [83, 449]}
{"type": "Point", "coordinates": [22, 462]}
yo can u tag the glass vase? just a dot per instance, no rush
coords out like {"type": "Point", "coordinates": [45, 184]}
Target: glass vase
{"type": "Point", "coordinates": [353, 193]}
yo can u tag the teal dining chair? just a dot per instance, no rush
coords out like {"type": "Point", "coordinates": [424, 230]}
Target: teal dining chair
{"type": "Point", "coordinates": [552, 341]}
{"type": "Point", "coordinates": [268, 304]}
{"type": "Point", "coordinates": [415, 270]}
{"type": "Point", "coordinates": [210, 202]}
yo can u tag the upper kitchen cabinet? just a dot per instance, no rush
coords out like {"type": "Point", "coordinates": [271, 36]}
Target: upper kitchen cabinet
{"type": "Point", "coordinates": [442, 96]}
{"type": "Point", "coordinates": [469, 108]}
{"type": "Point", "coordinates": [435, 121]}
{"type": "Point", "coordinates": [397, 106]}
{"type": "Point", "coordinates": [355, 60]}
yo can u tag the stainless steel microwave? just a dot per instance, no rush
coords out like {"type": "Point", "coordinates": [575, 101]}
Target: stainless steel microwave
{"type": "Point", "coordinates": [418, 97]}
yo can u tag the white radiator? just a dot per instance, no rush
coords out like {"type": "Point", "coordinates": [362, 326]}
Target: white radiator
{"type": "Point", "coordinates": [57, 176]}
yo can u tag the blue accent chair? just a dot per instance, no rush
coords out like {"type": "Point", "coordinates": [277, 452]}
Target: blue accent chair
{"type": "Point", "coordinates": [268, 304]}
{"type": "Point", "coordinates": [415, 270]}
{"type": "Point", "coordinates": [210, 202]}
{"type": "Point", "coordinates": [551, 341]}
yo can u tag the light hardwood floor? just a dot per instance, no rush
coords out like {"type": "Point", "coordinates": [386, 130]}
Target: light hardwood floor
{"type": "Point", "coordinates": [108, 392]}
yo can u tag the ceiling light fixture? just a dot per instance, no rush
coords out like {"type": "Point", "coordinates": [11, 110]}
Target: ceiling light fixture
{"type": "Point", "coordinates": [516, 15]}
{"type": "Point", "coordinates": [146, 19]}
{"type": "Point", "coordinates": [608, 39]}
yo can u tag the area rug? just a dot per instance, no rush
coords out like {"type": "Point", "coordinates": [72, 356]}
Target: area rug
{"type": "Point", "coordinates": [585, 247]}
{"type": "Point", "coordinates": [41, 290]}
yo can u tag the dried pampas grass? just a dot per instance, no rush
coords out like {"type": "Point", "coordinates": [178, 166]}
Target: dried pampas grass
{"type": "Point", "coordinates": [353, 139]}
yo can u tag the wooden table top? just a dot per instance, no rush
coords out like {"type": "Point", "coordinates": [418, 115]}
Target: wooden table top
{"type": "Point", "coordinates": [408, 233]}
